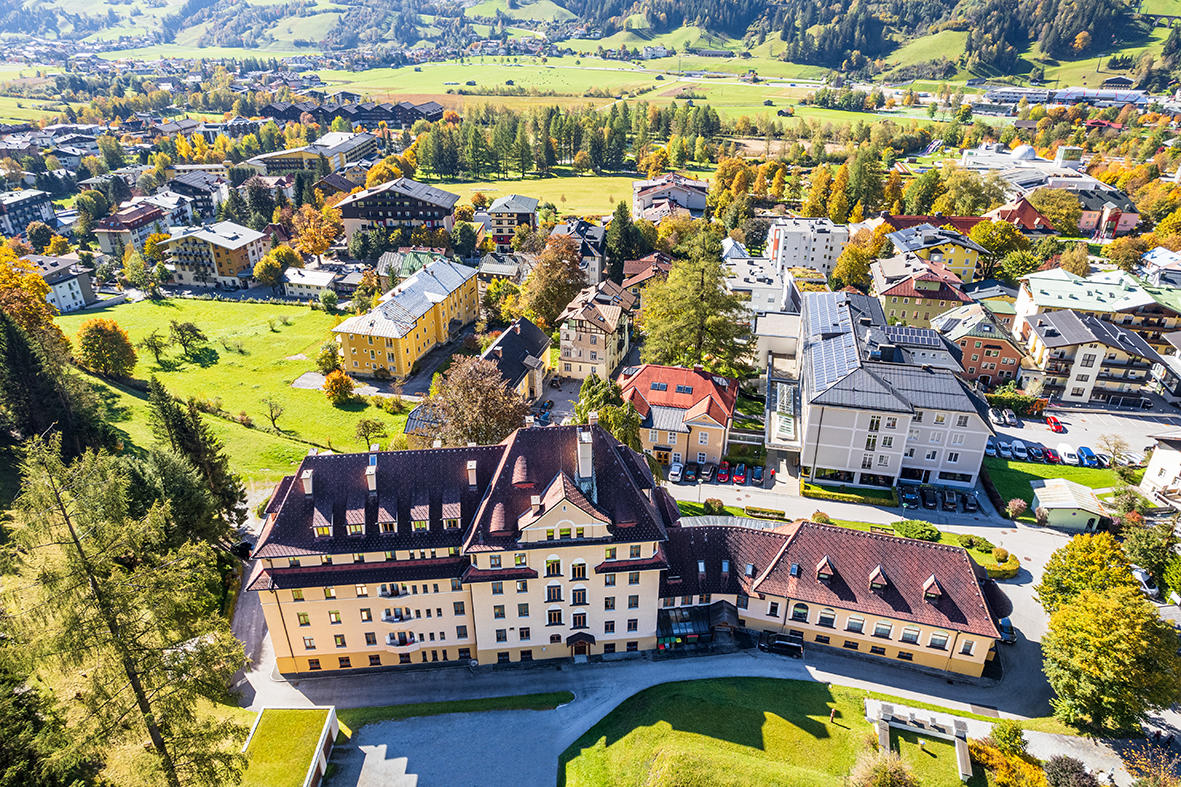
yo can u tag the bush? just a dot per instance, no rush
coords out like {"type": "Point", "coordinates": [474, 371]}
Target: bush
{"type": "Point", "coordinates": [1063, 771]}
{"type": "Point", "coordinates": [244, 419]}
{"type": "Point", "coordinates": [918, 529]}
{"type": "Point", "coordinates": [713, 506]}
{"type": "Point", "coordinates": [1006, 570]}
{"type": "Point", "coordinates": [1006, 770]}
{"type": "Point", "coordinates": [338, 387]}
{"type": "Point", "coordinates": [1008, 737]}
{"type": "Point", "coordinates": [822, 518]}
{"type": "Point", "coordinates": [975, 542]}
{"type": "Point", "coordinates": [1041, 516]}
{"type": "Point", "coordinates": [764, 513]}
{"type": "Point", "coordinates": [881, 769]}
{"type": "Point", "coordinates": [1000, 555]}
{"type": "Point", "coordinates": [847, 494]}
{"type": "Point", "coordinates": [1016, 507]}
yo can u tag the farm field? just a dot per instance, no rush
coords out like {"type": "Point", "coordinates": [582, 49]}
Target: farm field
{"type": "Point", "coordinates": [544, 10]}
{"type": "Point", "coordinates": [251, 355]}
{"type": "Point", "coordinates": [591, 195]}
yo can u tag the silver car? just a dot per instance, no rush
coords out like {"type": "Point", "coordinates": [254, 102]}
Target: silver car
{"type": "Point", "coordinates": [1011, 418]}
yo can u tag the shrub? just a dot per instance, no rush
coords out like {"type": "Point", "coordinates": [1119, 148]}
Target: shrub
{"type": "Point", "coordinates": [975, 542]}
{"type": "Point", "coordinates": [1006, 770]}
{"type": "Point", "coordinates": [1063, 771]}
{"type": "Point", "coordinates": [848, 494]}
{"type": "Point", "coordinates": [338, 387]}
{"type": "Point", "coordinates": [1000, 555]}
{"type": "Point", "coordinates": [713, 506]}
{"type": "Point", "coordinates": [881, 769]}
{"type": "Point", "coordinates": [916, 528]}
{"type": "Point", "coordinates": [1008, 737]}
{"type": "Point", "coordinates": [822, 518]}
{"type": "Point", "coordinates": [764, 513]}
{"type": "Point", "coordinates": [1042, 516]}
{"type": "Point", "coordinates": [1016, 507]}
{"type": "Point", "coordinates": [244, 419]}
{"type": "Point", "coordinates": [1006, 570]}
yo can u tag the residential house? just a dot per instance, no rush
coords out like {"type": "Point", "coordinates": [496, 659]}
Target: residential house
{"type": "Point", "coordinates": [989, 353]}
{"type": "Point", "coordinates": [998, 297]}
{"type": "Point", "coordinates": [207, 190]}
{"type": "Point", "coordinates": [1106, 213]}
{"type": "Point", "coordinates": [1024, 216]}
{"type": "Point", "coordinates": [334, 150]}
{"type": "Point", "coordinates": [913, 290]}
{"type": "Point", "coordinates": [177, 208]}
{"type": "Point", "coordinates": [129, 227]}
{"type": "Point", "coordinates": [512, 267]}
{"type": "Point", "coordinates": [506, 214]}
{"type": "Point", "coordinates": [1114, 296]}
{"type": "Point", "coordinates": [1079, 358]}
{"type": "Point", "coordinates": [1068, 504]}
{"type": "Point", "coordinates": [958, 253]}
{"type": "Point", "coordinates": [596, 331]}
{"type": "Point", "coordinates": [21, 207]}
{"type": "Point", "coordinates": [222, 254]}
{"type": "Point", "coordinates": [521, 354]}
{"type": "Point", "coordinates": [806, 243]}
{"type": "Point", "coordinates": [687, 413]}
{"type": "Point", "coordinates": [961, 224]}
{"type": "Point", "coordinates": [876, 407]}
{"type": "Point", "coordinates": [307, 284]}
{"type": "Point", "coordinates": [422, 312]}
{"type": "Point", "coordinates": [70, 288]}
{"type": "Point", "coordinates": [398, 203]}
{"type": "Point", "coordinates": [764, 287]}
{"type": "Point", "coordinates": [335, 183]}
{"type": "Point", "coordinates": [637, 282]}
{"type": "Point", "coordinates": [592, 246]}
{"type": "Point", "coordinates": [1162, 267]}
{"type": "Point", "coordinates": [670, 189]}
{"type": "Point", "coordinates": [1162, 478]}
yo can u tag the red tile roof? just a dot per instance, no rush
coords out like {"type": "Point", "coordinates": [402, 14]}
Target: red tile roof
{"type": "Point", "coordinates": [961, 224]}
{"type": "Point", "coordinates": [695, 391]}
{"type": "Point", "coordinates": [1022, 215]}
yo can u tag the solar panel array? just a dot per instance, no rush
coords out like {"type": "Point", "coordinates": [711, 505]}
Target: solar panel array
{"type": "Point", "coordinates": [919, 337]}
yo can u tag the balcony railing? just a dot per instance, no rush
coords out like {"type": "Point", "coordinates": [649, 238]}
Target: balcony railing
{"type": "Point", "coordinates": [402, 644]}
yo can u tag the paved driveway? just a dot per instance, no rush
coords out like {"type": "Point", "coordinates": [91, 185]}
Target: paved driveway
{"type": "Point", "coordinates": [1086, 427]}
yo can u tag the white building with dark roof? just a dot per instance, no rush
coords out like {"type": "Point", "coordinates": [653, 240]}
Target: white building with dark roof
{"type": "Point", "coordinates": [398, 203]}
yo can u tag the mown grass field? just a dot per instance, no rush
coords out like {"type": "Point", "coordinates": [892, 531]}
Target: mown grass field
{"type": "Point", "coordinates": [590, 195]}
{"type": "Point", "coordinates": [740, 731]}
{"type": "Point", "coordinates": [945, 43]}
{"type": "Point", "coordinates": [1012, 479]}
{"type": "Point", "coordinates": [251, 355]}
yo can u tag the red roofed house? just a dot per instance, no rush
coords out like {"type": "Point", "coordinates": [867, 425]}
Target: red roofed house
{"type": "Point", "coordinates": [687, 412]}
{"type": "Point", "coordinates": [1023, 215]}
{"type": "Point", "coordinates": [636, 282]}
{"type": "Point", "coordinates": [912, 290]}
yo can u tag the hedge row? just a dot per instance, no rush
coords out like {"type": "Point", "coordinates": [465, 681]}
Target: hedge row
{"type": "Point", "coordinates": [1006, 571]}
{"type": "Point", "coordinates": [1017, 402]}
{"type": "Point", "coordinates": [764, 513]}
{"type": "Point", "coordinates": [848, 494]}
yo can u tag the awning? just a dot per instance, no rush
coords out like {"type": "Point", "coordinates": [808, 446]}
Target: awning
{"type": "Point", "coordinates": [580, 636]}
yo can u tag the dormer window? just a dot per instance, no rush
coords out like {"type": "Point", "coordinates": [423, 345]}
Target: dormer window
{"type": "Point", "coordinates": [355, 530]}
{"type": "Point", "coordinates": [684, 389]}
{"type": "Point", "coordinates": [824, 569]}
{"type": "Point", "coordinates": [451, 524]}
{"type": "Point", "coordinates": [877, 579]}
{"type": "Point", "coordinates": [323, 531]}
{"type": "Point", "coordinates": [421, 525]}
{"type": "Point", "coordinates": [725, 566]}
{"type": "Point", "coordinates": [931, 589]}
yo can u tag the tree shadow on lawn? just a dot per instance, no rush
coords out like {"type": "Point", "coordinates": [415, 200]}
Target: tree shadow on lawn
{"type": "Point", "coordinates": [204, 356]}
{"type": "Point", "coordinates": [734, 710]}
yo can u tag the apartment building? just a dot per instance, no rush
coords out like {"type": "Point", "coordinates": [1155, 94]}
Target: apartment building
{"type": "Point", "coordinates": [129, 226]}
{"type": "Point", "coordinates": [557, 543]}
{"type": "Point", "coordinates": [1080, 358]}
{"type": "Point", "coordinates": [207, 191]}
{"type": "Point", "coordinates": [1162, 478]}
{"type": "Point", "coordinates": [506, 214]}
{"type": "Point", "coordinates": [1114, 296]}
{"type": "Point", "coordinates": [687, 413]}
{"type": "Point", "coordinates": [874, 406]}
{"type": "Point", "coordinates": [806, 243]}
{"type": "Point", "coordinates": [337, 149]}
{"type": "Point", "coordinates": [592, 246]}
{"type": "Point", "coordinates": [892, 598]}
{"type": "Point", "coordinates": [222, 254]}
{"type": "Point", "coordinates": [426, 310]}
{"type": "Point", "coordinates": [596, 331]}
{"type": "Point", "coordinates": [70, 288]}
{"type": "Point", "coordinates": [988, 352]}
{"type": "Point", "coordinates": [21, 207]}
{"type": "Point", "coordinates": [956, 252]}
{"type": "Point", "coordinates": [667, 194]}
{"type": "Point", "coordinates": [398, 203]}
{"type": "Point", "coordinates": [913, 290]}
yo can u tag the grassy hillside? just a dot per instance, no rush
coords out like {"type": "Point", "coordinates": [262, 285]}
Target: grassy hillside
{"type": "Point", "coordinates": [544, 10]}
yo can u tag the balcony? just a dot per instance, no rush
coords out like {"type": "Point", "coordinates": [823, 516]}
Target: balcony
{"type": "Point", "coordinates": [397, 616]}
{"type": "Point", "coordinates": [405, 643]}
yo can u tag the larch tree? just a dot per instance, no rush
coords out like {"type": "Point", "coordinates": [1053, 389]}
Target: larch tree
{"type": "Point", "coordinates": [136, 627]}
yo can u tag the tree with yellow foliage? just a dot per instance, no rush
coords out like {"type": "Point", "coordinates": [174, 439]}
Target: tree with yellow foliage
{"type": "Point", "coordinates": [315, 230]}
{"type": "Point", "coordinates": [23, 298]}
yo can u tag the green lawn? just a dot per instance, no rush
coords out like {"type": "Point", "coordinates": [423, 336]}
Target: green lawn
{"type": "Point", "coordinates": [1012, 479]}
{"type": "Point", "coordinates": [736, 731]}
{"type": "Point", "coordinates": [945, 43]}
{"type": "Point", "coordinates": [352, 719]}
{"type": "Point", "coordinates": [590, 195]}
{"type": "Point", "coordinates": [283, 746]}
{"type": "Point", "coordinates": [251, 355]}
{"type": "Point", "coordinates": [934, 760]}
{"type": "Point", "coordinates": [689, 508]}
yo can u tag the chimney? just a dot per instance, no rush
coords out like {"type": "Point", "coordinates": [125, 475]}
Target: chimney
{"type": "Point", "coordinates": [586, 467]}
{"type": "Point", "coordinates": [535, 503]}
{"type": "Point", "coordinates": [497, 352]}
{"type": "Point", "coordinates": [516, 327]}
{"type": "Point", "coordinates": [438, 443]}
{"type": "Point", "coordinates": [371, 478]}
{"type": "Point", "coordinates": [529, 420]}
{"type": "Point", "coordinates": [865, 321]}
{"type": "Point", "coordinates": [305, 480]}
{"type": "Point", "coordinates": [373, 449]}
{"type": "Point", "coordinates": [471, 473]}
{"type": "Point", "coordinates": [592, 417]}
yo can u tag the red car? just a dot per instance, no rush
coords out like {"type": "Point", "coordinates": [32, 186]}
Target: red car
{"type": "Point", "coordinates": [1052, 457]}
{"type": "Point", "coordinates": [740, 474]}
{"type": "Point", "coordinates": [1054, 424]}
{"type": "Point", "coordinates": [724, 472]}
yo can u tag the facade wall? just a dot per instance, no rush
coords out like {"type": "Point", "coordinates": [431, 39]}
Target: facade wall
{"type": "Point", "coordinates": [914, 311]}
{"type": "Point", "coordinates": [960, 260]}
{"type": "Point", "coordinates": [586, 350]}
{"type": "Point", "coordinates": [703, 442]}
{"type": "Point", "coordinates": [988, 361]}
{"type": "Point", "coordinates": [806, 244]}
{"type": "Point", "coordinates": [1091, 372]}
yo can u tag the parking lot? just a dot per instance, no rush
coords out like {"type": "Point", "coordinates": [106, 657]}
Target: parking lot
{"type": "Point", "coordinates": [1087, 427]}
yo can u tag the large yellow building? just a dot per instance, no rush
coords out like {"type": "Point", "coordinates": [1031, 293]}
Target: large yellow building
{"type": "Point", "coordinates": [557, 543]}
{"type": "Point", "coordinates": [957, 252]}
{"type": "Point", "coordinates": [423, 311]}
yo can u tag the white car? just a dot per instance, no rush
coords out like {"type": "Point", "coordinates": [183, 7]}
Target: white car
{"type": "Point", "coordinates": [996, 416]}
{"type": "Point", "coordinates": [675, 471]}
{"type": "Point", "coordinates": [1067, 453]}
{"type": "Point", "coordinates": [1011, 418]}
{"type": "Point", "coordinates": [1147, 586]}
{"type": "Point", "coordinates": [1005, 450]}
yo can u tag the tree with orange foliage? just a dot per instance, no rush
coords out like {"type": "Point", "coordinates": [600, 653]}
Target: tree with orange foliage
{"type": "Point", "coordinates": [23, 296]}
{"type": "Point", "coordinates": [105, 348]}
{"type": "Point", "coordinates": [315, 230]}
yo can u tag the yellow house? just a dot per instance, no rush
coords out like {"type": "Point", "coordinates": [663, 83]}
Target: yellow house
{"type": "Point", "coordinates": [958, 253]}
{"type": "Point", "coordinates": [422, 312]}
{"type": "Point", "coordinates": [686, 412]}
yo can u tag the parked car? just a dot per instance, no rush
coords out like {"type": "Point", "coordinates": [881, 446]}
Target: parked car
{"type": "Point", "coordinates": [756, 475]}
{"type": "Point", "coordinates": [1147, 586]}
{"type": "Point", "coordinates": [675, 471]}
{"type": "Point", "coordinates": [909, 496]}
{"type": "Point", "coordinates": [1020, 453]}
{"type": "Point", "coordinates": [1052, 457]}
{"type": "Point", "coordinates": [950, 500]}
{"type": "Point", "coordinates": [1067, 453]}
{"type": "Point", "coordinates": [971, 504]}
{"type": "Point", "coordinates": [691, 469]}
{"type": "Point", "coordinates": [1104, 460]}
{"type": "Point", "coordinates": [1086, 457]}
{"type": "Point", "coordinates": [996, 416]}
{"type": "Point", "coordinates": [555, 383]}
{"type": "Point", "coordinates": [782, 644]}
{"type": "Point", "coordinates": [739, 475]}
{"type": "Point", "coordinates": [1008, 633]}
{"type": "Point", "coordinates": [1054, 424]}
{"type": "Point", "coordinates": [724, 472]}
{"type": "Point", "coordinates": [1036, 452]}
{"type": "Point", "coordinates": [1011, 418]}
{"type": "Point", "coordinates": [707, 472]}
{"type": "Point", "coordinates": [1004, 449]}
{"type": "Point", "coordinates": [1132, 458]}
{"type": "Point", "coordinates": [990, 447]}
{"type": "Point", "coordinates": [930, 498]}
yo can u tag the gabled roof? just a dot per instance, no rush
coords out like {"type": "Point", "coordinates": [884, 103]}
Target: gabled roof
{"type": "Point", "coordinates": [519, 349]}
{"type": "Point", "coordinates": [961, 224]}
{"type": "Point", "coordinates": [402, 306]}
{"type": "Point", "coordinates": [695, 392]}
{"type": "Point", "coordinates": [971, 320]}
{"type": "Point", "coordinates": [513, 203]}
{"type": "Point", "coordinates": [603, 305]}
{"type": "Point", "coordinates": [407, 188]}
{"type": "Point", "coordinates": [926, 236]}
{"type": "Point", "coordinates": [1060, 493]}
{"type": "Point", "coordinates": [1065, 328]}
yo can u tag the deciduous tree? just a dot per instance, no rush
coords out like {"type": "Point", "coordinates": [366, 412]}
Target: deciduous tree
{"type": "Point", "coordinates": [338, 387]}
{"type": "Point", "coordinates": [1076, 260]}
{"type": "Point", "coordinates": [553, 282]}
{"type": "Point", "coordinates": [369, 429]}
{"type": "Point", "coordinates": [155, 343]}
{"type": "Point", "coordinates": [316, 229]}
{"type": "Point", "coordinates": [472, 404]}
{"type": "Point", "coordinates": [187, 335]}
{"type": "Point", "coordinates": [274, 409]}
{"type": "Point", "coordinates": [1089, 561]}
{"type": "Point", "coordinates": [39, 235]}
{"type": "Point", "coordinates": [852, 268]}
{"type": "Point", "coordinates": [105, 348]}
{"type": "Point", "coordinates": [1059, 206]}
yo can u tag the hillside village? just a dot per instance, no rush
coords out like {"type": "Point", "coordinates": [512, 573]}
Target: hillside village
{"type": "Point", "coordinates": [901, 400]}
